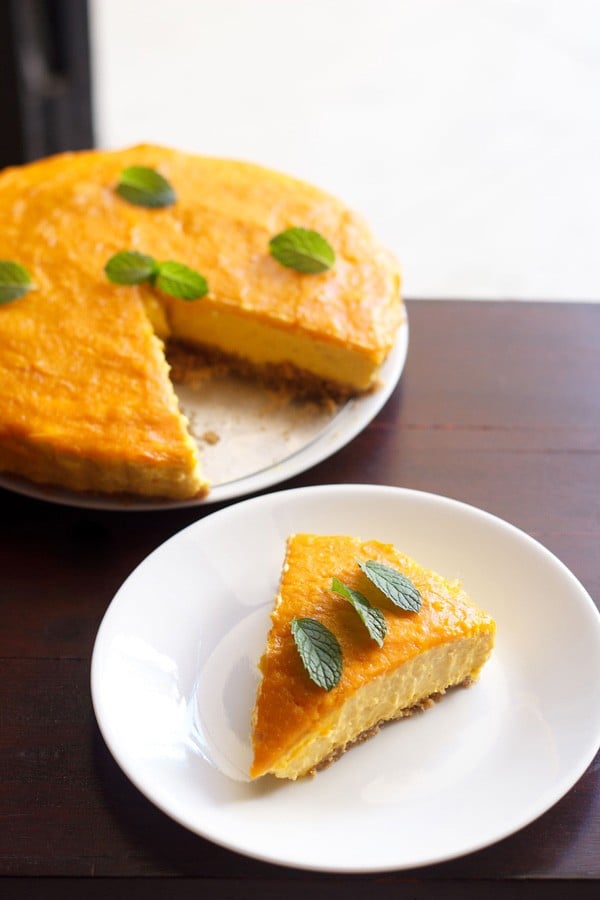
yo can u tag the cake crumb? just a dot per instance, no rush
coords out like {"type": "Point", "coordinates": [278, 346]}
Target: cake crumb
{"type": "Point", "coordinates": [210, 437]}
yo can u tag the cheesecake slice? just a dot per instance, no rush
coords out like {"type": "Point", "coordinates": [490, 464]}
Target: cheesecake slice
{"type": "Point", "coordinates": [298, 726]}
{"type": "Point", "coordinates": [87, 400]}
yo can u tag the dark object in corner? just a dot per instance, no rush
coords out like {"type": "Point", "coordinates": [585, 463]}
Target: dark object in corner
{"type": "Point", "coordinates": [45, 84]}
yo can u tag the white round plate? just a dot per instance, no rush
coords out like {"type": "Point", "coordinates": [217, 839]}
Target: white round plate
{"type": "Point", "coordinates": [174, 679]}
{"type": "Point", "coordinates": [262, 440]}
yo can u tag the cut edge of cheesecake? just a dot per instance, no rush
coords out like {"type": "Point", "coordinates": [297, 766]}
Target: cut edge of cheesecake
{"type": "Point", "coordinates": [192, 363]}
{"type": "Point", "coordinates": [426, 658]}
{"type": "Point", "coordinates": [340, 732]}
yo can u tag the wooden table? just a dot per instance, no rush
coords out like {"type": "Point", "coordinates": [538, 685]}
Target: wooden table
{"type": "Point", "coordinates": [498, 406]}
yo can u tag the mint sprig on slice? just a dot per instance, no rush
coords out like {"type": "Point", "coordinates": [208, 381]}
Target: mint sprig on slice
{"type": "Point", "coordinates": [143, 186]}
{"type": "Point", "coordinates": [396, 586]}
{"type": "Point", "coordinates": [173, 278]}
{"type": "Point", "coordinates": [319, 651]}
{"type": "Point", "coordinates": [15, 281]}
{"type": "Point", "coordinates": [303, 250]}
{"type": "Point", "coordinates": [372, 618]}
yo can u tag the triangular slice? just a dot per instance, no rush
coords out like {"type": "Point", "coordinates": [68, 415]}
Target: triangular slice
{"type": "Point", "coordinates": [299, 727]}
{"type": "Point", "coordinates": [87, 400]}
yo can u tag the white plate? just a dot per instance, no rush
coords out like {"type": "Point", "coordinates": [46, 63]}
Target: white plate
{"type": "Point", "coordinates": [262, 442]}
{"type": "Point", "coordinates": [174, 678]}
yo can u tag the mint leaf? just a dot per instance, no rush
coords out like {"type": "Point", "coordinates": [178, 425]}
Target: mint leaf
{"type": "Point", "coordinates": [177, 280]}
{"type": "Point", "coordinates": [145, 187]}
{"type": "Point", "coordinates": [15, 281]}
{"type": "Point", "coordinates": [173, 278]}
{"type": "Point", "coordinates": [301, 249]}
{"type": "Point", "coordinates": [396, 586]}
{"type": "Point", "coordinates": [372, 617]}
{"type": "Point", "coordinates": [130, 267]}
{"type": "Point", "coordinates": [319, 651]}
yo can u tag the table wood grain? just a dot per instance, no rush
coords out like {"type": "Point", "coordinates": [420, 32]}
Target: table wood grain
{"type": "Point", "coordinates": [498, 406]}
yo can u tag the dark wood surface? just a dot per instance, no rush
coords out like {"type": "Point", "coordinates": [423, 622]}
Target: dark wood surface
{"type": "Point", "coordinates": [498, 406]}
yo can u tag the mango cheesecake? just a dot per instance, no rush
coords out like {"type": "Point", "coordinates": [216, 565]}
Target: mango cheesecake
{"type": "Point", "coordinates": [88, 402]}
{"type": "Point", "coordinates": [360, 634]}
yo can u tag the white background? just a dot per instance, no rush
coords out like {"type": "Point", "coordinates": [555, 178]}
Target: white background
{"type": "Point", "coordinates": [467, 131]}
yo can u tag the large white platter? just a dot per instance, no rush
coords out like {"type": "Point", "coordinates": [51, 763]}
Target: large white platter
{"type": "Point", "coordinates": [263, 439]}
{"type": "Point", "coordinates": [174, 678]}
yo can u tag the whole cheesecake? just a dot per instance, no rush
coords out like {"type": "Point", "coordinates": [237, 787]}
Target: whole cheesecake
{"type": "Point", "coordinates": [87, 399]}
{"type": "Point", "coordinates": [297, 725]}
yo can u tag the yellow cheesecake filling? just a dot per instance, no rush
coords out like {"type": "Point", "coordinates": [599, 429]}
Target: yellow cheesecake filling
{"type": "Point", "coordinates": [388, 697]}
{"type": "Point", "coordinates": [257, 342]}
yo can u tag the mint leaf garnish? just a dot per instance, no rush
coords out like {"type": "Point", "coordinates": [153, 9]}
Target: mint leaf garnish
{"type": "Point", "coordinates": [130, 267]}
{"type": "Point", "coordinates": [396, 586]}
{"type": "Point", "coordinates": [173, 278]}
{"type": "Point", "coordinates": [372, 617]}
{"type": "Point", "coordinates": [15, 281]}
{"type": "Point", "coordinates": [319, 651]}
{"type": "Point", "coordinates": [301, 249]}
{"type": "Point", "coordinates": [145, 187]}
{"type": "Point", "coordinates": [177, 280]}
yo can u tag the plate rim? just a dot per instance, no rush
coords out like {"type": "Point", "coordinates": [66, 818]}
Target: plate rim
{"type": "Point", "coordinates": [545, 801]}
